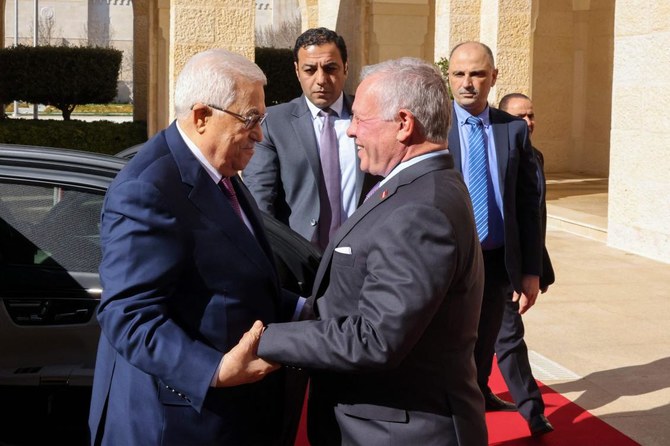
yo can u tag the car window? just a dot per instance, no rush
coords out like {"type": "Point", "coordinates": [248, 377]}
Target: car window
{"type": "Point", "coordinates": [49, 226]}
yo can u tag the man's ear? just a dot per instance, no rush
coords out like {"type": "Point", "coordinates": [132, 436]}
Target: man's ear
{"type": "Point", "coordinates": [407, 122]}
{"type": "Point", "coordinates": [297, 73]}
{"type": "Point", "coordinates": [495, 77]}
{"type": "Point", "coordinates": [346, 69]}
{"type": "Point", "coordinates": [199, 117]}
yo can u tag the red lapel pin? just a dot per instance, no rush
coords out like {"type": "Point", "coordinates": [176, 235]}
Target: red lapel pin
{"type": "Point", "coordinates": [385, 193]}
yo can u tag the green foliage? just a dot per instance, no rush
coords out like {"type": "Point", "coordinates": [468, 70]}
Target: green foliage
{"type": "Point", "coordinates": [277, 64]}
{"type": "Point", "coordinates": [96, 136]}
{"type": "Point", "coordinates": [443, 66]}
{"type": "Point", "coordinates": [58, 75]}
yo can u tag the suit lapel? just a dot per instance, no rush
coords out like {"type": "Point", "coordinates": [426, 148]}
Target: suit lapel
{"type": "Point", "coordinates": [213, 204]}
{"type": "Point", "coordinates": [501, 137]}
{"type": "Point", "coordinates": [454, 141]}
{"type": "Point", "coordinates": [253, 214]}
{"type": "Point", "coordinates": [303, 125]}
{"type": "Point", "coordinates": [383, 194]}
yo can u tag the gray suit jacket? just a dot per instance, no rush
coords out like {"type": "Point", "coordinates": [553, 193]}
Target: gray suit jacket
{"type": "Point", "coordinates": [283, 175]}
{"type": "Point", "coordinates": [517, 171]}
{"type": "Point", "coordinates": [398, 295]}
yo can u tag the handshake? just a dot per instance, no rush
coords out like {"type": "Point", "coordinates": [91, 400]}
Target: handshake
{"type": "Point", "coordinates": [241, 365]}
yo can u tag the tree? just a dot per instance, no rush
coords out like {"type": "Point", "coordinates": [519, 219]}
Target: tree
{"type": "Point", "coordinates": [60, 76]}
{"type": "Point", "coordinates": [443, 66]}
{"type": "Point", "coordinates": [282, 36]}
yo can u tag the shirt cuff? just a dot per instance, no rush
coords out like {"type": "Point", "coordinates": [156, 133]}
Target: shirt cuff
{"type": "Point", "coordinates": [298, 308]}
{"type": "Point", "coordinates": [216, 374]}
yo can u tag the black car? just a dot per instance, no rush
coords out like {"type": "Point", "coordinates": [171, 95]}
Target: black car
{"type": "Point", "coordinates": [50, 201]}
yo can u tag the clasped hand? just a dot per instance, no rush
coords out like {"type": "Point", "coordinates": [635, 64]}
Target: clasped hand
{"type": "Point", "coordinates": [241, 365]}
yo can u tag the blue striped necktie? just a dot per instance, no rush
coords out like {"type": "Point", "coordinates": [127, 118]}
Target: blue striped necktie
{"type": "Point", "coordinates": [478, 171]}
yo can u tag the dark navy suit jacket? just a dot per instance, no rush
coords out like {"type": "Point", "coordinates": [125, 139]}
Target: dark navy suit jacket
{"type": "Point", "coordinates": [517, 171]}
{"type": "Point", "coordinates": [183, 279]}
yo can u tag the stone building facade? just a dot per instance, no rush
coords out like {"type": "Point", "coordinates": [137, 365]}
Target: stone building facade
{"type": "Point", "coordinates": [597, 71]}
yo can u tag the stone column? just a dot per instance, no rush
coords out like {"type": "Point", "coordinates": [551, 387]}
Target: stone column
{"type": "Point", "coordinates": [455, 21]}
{"type": "Point", "coordinates": [309, 14]}
{"type": "Point", "coordinates": [639, 214]}
{"type": "Point", "coordinates": [506, 28]}
{"type": "Point", "coordinates": [350, 25]}
{"type": "Point", "coordinates": [2, 24]}
{"type": "Point", "coordinates": [141, 61]}
{"type": "Point", "coordinates": [399, 28]}
{"type": "Point", "coordinates": [198, 25]}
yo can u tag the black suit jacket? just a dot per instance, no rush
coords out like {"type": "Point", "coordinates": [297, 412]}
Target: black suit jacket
{"type": "Point", "coordinates": [547, 277]}
{"type": "Point", "coordinates": [517, 171]}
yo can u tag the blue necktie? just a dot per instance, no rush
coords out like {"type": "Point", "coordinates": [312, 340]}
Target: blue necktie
{"type": "Point", "coordinates": [478, 171]}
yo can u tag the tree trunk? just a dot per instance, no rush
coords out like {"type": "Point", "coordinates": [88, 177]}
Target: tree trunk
{"type": "Point", "coordinates": [66, 110]}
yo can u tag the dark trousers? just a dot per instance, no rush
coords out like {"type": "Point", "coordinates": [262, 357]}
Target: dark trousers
{"type": "Point", "coordinates": [512, 355]}
{"type": "Point", "coordinates": [497, 290]}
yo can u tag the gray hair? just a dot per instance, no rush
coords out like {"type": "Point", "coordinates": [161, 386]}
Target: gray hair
{"type": "Point", "coordinates": [414, 85]}
{"type": "Point", "coordinates": [210, 77]}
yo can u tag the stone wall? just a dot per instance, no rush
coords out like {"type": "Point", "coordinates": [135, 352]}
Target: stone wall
{"type": "Point", "coordinates": [639, 208]}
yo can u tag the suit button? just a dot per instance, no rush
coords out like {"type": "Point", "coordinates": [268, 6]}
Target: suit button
{"type": "Point", "coordinates": [312, 222]}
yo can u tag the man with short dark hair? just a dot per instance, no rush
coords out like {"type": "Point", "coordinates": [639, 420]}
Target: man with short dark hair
{"type": "Point", "coordinates": [305, 171]}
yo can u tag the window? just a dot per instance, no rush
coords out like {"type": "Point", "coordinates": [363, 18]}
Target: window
{"type": "Point", "coordinates": [49, 226]}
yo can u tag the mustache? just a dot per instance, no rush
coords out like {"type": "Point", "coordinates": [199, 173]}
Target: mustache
{"type": "Point", "coordinates": [468, 90]}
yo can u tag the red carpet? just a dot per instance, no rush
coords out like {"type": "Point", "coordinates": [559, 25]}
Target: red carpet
{"type": "Point", "coordinates": [573, 425]}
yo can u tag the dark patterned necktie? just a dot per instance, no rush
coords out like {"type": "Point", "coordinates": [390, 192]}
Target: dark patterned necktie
{"type": "Point", "coordinates": [229, 191]}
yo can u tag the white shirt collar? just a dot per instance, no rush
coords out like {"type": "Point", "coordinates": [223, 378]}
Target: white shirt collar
{"type": "Point", "coordinates": [336, 106]}
{"type": "Point", "coordinates": [216, 176]}
{"type": "Point", "coordinates": [405, 164]}
{"type": "Point", "coordinates": [462, 114]}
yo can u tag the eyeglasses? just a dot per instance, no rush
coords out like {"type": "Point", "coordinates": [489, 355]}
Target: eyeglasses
{"type": "Point", "coordinates": [249, 120]}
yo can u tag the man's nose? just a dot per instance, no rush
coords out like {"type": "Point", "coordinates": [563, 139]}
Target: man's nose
{"type": "Point", "coordinates": [256, 133]}
{"type": "Point", "coordinates": [351, 130]}
{"type": "Point", "coordinates": [321, 77]}
{"type": "Point", "coordinates": [467, 81]}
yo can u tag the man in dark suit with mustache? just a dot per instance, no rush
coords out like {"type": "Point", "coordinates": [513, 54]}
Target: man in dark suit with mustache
{"type": "Point", "coordinates": [492, 150]}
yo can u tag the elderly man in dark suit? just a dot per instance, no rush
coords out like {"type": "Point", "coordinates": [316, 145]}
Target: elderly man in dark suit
{"type": "Point", "coordinates": [186, 269]}
{"type": "Point", "coordinates": [398, 293]}
{"type": "Point", "coordinates": [492, 150]}
{"type": "Point", "coordinates": [305, 172]}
